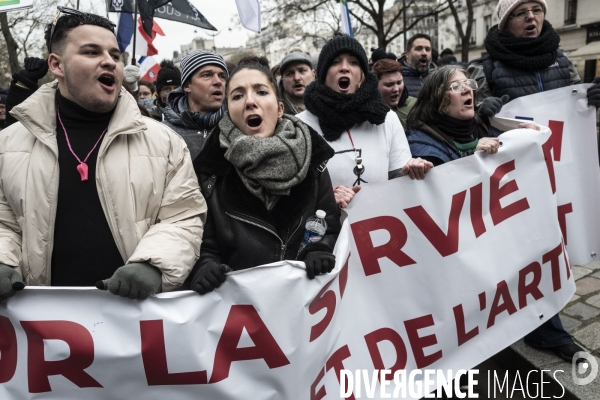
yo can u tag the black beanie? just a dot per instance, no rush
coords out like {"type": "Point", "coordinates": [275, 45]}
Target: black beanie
{"type": "Point", "coordinates": [337, 45]}
{"type": "Point", "coordinates": [168, 74]}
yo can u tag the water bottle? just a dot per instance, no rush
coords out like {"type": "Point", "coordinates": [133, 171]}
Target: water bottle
{"type": "Point", "coordinates": [315, 229]}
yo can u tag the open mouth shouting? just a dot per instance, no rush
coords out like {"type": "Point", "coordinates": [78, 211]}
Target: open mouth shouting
{"type": "Point", "coordinates": [344, 84]}
{"type": "Point", "coordinates": [423, 62]}
{"type": "Point", "coordinates": [107, 81]}
{"type": "Point", "coordinates": [530, 30]}
{"type": "Point", "coordinates": [218, 94]}
{"type": "Point", "coordinates": [468, 103]}
{"type": "Point", "coordinates": [298, 87]}
{"type": "Point", "coordinates": [254, 122]}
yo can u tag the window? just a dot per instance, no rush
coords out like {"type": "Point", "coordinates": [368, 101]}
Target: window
{"type": "Point", "coordinates": [473, 39]}
{"type": "Point", "coordinates": [570, 12]}
{"type": "Point", "coordinates": [487, 21]}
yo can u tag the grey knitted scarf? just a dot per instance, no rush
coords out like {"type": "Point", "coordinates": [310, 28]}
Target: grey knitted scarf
{"type": "Point", "coordinates": [269, 167]}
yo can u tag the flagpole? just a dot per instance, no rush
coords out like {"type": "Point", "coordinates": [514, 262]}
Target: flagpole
{"type": "Point", "coordinates": [135, 17]}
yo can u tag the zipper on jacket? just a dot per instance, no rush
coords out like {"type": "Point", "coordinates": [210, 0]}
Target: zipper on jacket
{"type": "Point", "coordinates": [205, 133]}
{"type": "Point", "coordinates": [539, 81]}
{"type": "Point", "coordinates": [283, 245]}
{"type": "Point", "coordinates": [295, 230]}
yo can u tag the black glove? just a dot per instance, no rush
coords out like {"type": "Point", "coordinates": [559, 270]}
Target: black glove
{"type": "Point", "coordinates": [593, 93]}
{"type": "Point", "coordinates": [209, 277]}
{"type": "Point", "coordinates": [492, 106]}
{"type": "Point", "coordinates": [318, 262]}
{"type": "Point", "coordinates": [135, 280]}
{"type": "Point", "coordinates": [10, 282]}
{"type": "Point", "coordinates": [33, 70]}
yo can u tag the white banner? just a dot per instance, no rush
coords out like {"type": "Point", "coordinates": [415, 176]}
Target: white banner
{"type": "Point", "coordinates": [14, 5]}
{"type": "Point", "coordinates": [575, 148]}
{"type": "Point", "coordinates": [434, 274]}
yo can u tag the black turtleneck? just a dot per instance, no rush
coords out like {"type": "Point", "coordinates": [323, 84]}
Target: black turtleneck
{"type": "Point", "coordinates": [84, 248]}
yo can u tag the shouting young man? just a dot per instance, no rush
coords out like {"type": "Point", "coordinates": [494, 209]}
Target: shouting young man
{"type": "Point", "coordinates": [296, 74]}
{"type": "Point", "coordinates": [91, 192]}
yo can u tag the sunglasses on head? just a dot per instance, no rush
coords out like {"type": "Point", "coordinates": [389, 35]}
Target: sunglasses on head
{"type": "Point", "coordinates": [68, 11]}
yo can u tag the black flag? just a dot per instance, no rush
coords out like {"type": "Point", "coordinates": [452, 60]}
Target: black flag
{"type": "Point", "coordinates": [146, 9]}
{"type": "Point", "coordinates": [175, 10]}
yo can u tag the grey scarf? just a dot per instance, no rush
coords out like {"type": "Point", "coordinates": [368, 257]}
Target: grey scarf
{"type": "Point", "coordinates": [269, 167]}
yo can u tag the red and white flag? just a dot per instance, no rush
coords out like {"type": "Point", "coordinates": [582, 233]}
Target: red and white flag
{"type": "Point", "coordinates": [149, 68]}
{"type": "Point", "coordinates": [143, 45]}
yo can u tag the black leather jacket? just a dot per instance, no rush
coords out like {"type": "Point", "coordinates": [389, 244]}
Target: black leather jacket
{"type": "Point", "coordinates": [241, 232]}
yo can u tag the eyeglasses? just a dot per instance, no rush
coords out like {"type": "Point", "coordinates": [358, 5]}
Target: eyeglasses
{"type": "Point", "coordinates": [459, 86]}
{"type": "Point", "coordinates": [69, 11]}
{"type": "Point", "coordinates": [521, 14]}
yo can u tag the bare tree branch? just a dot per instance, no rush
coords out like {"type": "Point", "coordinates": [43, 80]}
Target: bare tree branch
{"type": "Point", "coordinates": [463, 35]}
{"type": "Point", "coordinates": [11, 44]}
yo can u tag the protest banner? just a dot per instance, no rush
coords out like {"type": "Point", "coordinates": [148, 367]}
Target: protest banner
{"type": "Point", "coordinates": [431, 275]}
{"type": "Point", "coordinates": [573, 126]}
{"type": "Point", "coordinates": [14, 5]}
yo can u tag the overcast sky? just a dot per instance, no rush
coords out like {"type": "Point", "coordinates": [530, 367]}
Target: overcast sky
{"type": "Point", "coordinates": [222, 14]}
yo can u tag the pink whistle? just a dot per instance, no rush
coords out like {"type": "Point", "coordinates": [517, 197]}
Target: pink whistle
{"type": "Point", "coordinates": [83, 171]}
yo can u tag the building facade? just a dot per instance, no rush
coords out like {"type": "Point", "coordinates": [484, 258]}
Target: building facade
{"type": "Point", "coordinates": [274, 42]}
{"type": "Point", "coordinates": [200, 43]}
{"type": "Point", "coordinates": [484, 17]}
{"type": "Point", "coordinates": [418, 12]}
{"type": "Point", "coordinates": [578, 24]}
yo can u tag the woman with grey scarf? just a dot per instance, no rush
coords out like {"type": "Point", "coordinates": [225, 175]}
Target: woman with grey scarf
{"type": "Point", "coordinates": [263, 175]}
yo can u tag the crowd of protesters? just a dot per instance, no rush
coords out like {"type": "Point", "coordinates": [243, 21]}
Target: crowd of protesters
{"type": "Point", "coordinates": [140, 187]}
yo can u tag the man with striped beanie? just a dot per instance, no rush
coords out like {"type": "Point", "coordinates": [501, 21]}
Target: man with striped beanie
{"type": "Point", "coordinates": [194, 109]}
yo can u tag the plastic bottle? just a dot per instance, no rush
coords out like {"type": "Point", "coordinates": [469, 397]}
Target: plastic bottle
{"type": "Point", "coordinates": [315, 228]}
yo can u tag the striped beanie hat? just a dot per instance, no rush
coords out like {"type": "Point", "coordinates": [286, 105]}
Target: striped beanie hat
{"type": "Point", "coordinates": [198, 59]}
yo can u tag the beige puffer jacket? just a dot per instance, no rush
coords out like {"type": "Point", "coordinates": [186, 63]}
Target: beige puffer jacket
{"type": "Point", "coordinates": [145, 181]}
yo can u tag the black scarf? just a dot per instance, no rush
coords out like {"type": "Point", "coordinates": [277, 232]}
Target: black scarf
{"type": "Point", "coordinates": [339, 112]}
{"type": "Point", "coordinates": [458, 128]}
{"type": "Point", "coordinates": [527, 54]}
{"type": "Point", "coordinates": [448, 129]}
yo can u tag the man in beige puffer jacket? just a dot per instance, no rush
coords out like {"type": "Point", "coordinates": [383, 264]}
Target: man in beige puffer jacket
{"type": "Point", "coordinates": [91, 192]}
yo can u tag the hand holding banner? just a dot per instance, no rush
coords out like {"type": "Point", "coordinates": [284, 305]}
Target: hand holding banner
{"type": "Point", "coordinates": [439, 279]}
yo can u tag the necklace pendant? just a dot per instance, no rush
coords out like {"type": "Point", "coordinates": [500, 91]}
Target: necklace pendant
{"type": "Point", "coordinates": [83, 171]}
